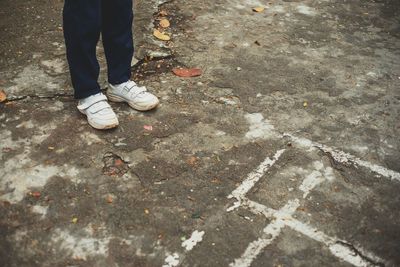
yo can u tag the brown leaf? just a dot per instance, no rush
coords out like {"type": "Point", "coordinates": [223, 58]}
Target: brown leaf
{"type": "Point", "coordinates": [192, 161]}
{"type": "Point", "coordinates": [160, 35]}
{"type": "Point", "coordinates": [165, 23]}
{"type": "Point", "coordinates": [216, 181]}
{"type": "Point", "coordinates": [3, 96]}
{"type": "Point", "coordinates": [36, 194]}
{"type": "Point", "coordinates": [163, 13]}
{"type": "Point", "coordinates": [259, 9]}
{"type": "Point", "coordinates": [119, 162]}
{"type": "Point", "coordinates": [148, 127]}
{"type": "Point", "coordinates": [187, 72]}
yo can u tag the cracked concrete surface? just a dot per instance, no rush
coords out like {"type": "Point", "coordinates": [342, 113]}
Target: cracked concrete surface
{"type": "Point", "coordinates": [285, 152]}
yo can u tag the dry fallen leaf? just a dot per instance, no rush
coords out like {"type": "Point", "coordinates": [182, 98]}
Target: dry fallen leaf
{"type": "Point", "coordinates": [7, 149]}
{"type": "Point", "coordinates": [216, 181]}
{"type": "Point", "coordinates": [148, 127]}
{"type": "Point", "coordinates": [187, 72]}
{"type": "Point", "coordinates": [258, 9]}
{"type": "Point", "coordinates": [165, 23]}
{"type": "Point", "coordinates": [119, 162]}
{"type": "Point", "coordinates": [160, 35]}
{"type": "Point", "coordinates": [3, 96]}
{"type": "Point", "coordinates": [36, 194]}
{"type": "Point", "coordinates": [163, 13]}
{"type": "Point", "coordinates": [192, 161]}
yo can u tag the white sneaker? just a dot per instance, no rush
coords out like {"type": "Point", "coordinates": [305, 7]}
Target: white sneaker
{"type": "Point", "coordinates": [99, 113]}
{"type": "Point", "coordinates": [136, 96]}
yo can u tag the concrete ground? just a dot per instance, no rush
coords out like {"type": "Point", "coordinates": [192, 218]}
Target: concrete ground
{"type": "Point", "coordinates": [284, 152]}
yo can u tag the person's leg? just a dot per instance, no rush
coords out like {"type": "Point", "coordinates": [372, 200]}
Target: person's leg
{"type": "Point", "coordinates": [117, 18]}
{"type": "Point", "coordinates": [82, 26]}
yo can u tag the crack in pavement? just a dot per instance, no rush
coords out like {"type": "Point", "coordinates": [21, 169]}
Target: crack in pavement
{"type": "Point", "coordinates": [54, 96]}
{"type": "Point", "coordinates": [357, 252]}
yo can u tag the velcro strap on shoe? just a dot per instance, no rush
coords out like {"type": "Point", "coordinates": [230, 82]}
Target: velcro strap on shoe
{"type": "Point", "coordinates": [96, 107]}
{"type": "Point", "coordinates": [137, 91]}
{"type": "Point", "coordinates": [92, 100]}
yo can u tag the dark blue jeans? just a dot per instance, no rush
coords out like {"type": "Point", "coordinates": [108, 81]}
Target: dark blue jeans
{"type": "Point", "coordinates": [84, 20]}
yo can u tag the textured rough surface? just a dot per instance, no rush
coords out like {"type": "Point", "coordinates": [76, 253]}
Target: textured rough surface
{"type": "Point", "coordinates": [297, 109]}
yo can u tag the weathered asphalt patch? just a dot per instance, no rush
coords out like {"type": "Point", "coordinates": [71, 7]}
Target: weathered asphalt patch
{"type": "Point", "coordinates": [316, 80]}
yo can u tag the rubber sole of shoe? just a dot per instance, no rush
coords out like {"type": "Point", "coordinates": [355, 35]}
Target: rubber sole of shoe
{"type": "Point", "coordinates": [115, 98]}
{"type": "Point", "coordinates": [101, 126]}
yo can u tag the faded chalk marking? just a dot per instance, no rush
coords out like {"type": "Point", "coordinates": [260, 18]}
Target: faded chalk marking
{"type": "Point", "coordinates": [57, 65]}
{"type": "Point", "coordinates": [316, 177]}
{"type": "Point", "coordinates": [42, 210]}
{"type": "Point", "coordinates": [80, 247]}
{"type": "Point", "coordinates": [91, 138]}
{"type": "Point", "coordinates": [259, 127]}
{"type": "Point", "coordinates": [17, 181]}
{"type": "Point", "coordinates": [26, 124]}
{"type": "Point", "coordinates": [196, 238]}
{"type": "Point", "coordinates": [253, 178]}
{"type": "Point", "coordinates": [20, 173]}
{"type": "Point", "coordinates": [306, 10]}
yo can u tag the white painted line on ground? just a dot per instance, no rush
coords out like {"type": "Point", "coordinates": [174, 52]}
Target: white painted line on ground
{"type": "Point", "coordinates": [335, 245]}
{"type": "Point", "coordinates": [271, 232]}
{"type": "Point", "coordinates": [262, 128]}
{"type": "Point", "coordinates": [256, 247]}
{"type": "Point", "coordinates": [343, 157]}
{"type": "Point", "coordinates": [283, 217]}
{"type": "Point", "coordinates": [258, 208]}
{"type": "Point", "coordinates": [252, 179]}
{"type": "Point", "coordinates": [255, 175]}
